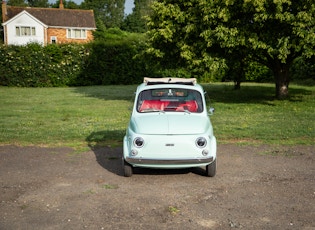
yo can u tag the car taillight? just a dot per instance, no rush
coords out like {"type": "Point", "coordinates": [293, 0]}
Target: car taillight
{"type": "Point", "coordinates": [201, 142]}
{"type": "Point", "coordinates": [138, 142]}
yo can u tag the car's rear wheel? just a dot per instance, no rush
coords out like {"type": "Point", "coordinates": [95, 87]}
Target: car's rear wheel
{"type": "Point", "coordinates": [211, 169]}
{"type": "Point", "coordinates": [127, 169]}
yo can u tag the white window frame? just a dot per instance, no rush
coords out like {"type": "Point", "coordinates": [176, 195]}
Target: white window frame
{"type": "Point", "coordinates": [53, 38]}
{"type": "Point", "coordinates": [76, 33]}
{"type": "Point", "coordinates": [19, 31]}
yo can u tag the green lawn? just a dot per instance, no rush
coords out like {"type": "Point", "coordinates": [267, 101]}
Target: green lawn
{"type": "Point", "coordinates": [88, 116]}
{"type": "Point", "coordinates": [252, 115]}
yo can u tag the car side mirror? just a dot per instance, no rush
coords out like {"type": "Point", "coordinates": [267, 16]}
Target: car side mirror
{"type": "Point", "coordinates": [211, 111]}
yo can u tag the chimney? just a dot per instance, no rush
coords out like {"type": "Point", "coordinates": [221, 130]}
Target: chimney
{"type": "Point", "coordinates": [61, 5]}
{"type": "Point", "coordinates": [4, 10]}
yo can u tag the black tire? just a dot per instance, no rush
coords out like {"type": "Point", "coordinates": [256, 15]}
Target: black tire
{"type": "Point", "coordinates": [127, 169]}
{"type": "Point", "coordinates": [211, 169]}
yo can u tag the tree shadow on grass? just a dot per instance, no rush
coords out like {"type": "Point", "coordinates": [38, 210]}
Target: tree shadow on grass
{"type": "Point", "coordinates": [109, 156]}
{"type": "Point", "coordinates": [251, 93]}
{"type": "Point", "coordinates": [108, 92]}
{"type": "Point", "coordinates": [224, 92]}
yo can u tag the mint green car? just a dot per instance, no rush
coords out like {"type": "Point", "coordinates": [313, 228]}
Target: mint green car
{"type": "Point", "coordinates": [169, 127]}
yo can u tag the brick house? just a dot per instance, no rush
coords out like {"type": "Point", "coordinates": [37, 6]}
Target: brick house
{"type": "Point", "coordinates": [22, 25]}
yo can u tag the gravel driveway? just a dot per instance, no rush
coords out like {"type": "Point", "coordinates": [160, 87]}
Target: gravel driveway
{"type": "Point", "coordinates": [256, 187]}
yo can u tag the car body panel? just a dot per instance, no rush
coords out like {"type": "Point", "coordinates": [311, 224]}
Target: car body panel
{"type": "Point", "coordinates": [169, 123]}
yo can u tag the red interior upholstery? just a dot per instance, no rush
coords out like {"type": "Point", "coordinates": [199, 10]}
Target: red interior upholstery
{"type": "Point", "coordinates": [191, 106]}
{"type": "Point", "coordinates": [154, 104]}
{"type": "Point", "coordinates": [162, 105]}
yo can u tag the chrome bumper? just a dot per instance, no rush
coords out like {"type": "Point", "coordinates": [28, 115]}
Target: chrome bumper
{"type": "Point", "coordinates": [132, 160]}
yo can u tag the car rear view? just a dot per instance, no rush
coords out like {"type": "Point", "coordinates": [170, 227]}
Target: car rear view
{"type": "Point", "coordinates": [169, 127]}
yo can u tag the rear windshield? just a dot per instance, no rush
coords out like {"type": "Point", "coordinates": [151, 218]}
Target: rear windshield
{"type": "Point", "coordinates": [170, 99]}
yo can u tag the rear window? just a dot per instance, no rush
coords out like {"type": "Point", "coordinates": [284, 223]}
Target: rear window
{"type": "Point", "coordinates": [170, 99]}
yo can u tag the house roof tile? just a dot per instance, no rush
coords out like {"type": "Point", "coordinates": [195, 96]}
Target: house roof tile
{"type": "Point", "coordinates": [57, 17]}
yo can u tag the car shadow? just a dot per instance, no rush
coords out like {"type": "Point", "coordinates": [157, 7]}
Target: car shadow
{"type": "Point", "coordinates": [110, 158]}
{"type": "Point", "coordinates": [149, 171]}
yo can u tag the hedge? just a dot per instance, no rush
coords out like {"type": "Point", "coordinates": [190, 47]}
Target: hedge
{"type": "Point", "coordinates": [70, 65]}
{"type": "Point", "coordinates": [112, 64]}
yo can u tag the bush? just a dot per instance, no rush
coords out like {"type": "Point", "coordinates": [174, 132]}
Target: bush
{"type": "Point", "coordinates": [97, 63]}
{"type": "Point", "coordinates": [256, 72]}
{"type": "Point", "coordinates": [167, 73]}
{"type": "Point", "coordinates": [36, 66]}
{"type": "Point", "coordinates": [111, 64]}
{"type": "Point", "coordinates": [23, 66]}
{"type": "Point", "coordinates": [303, 71]}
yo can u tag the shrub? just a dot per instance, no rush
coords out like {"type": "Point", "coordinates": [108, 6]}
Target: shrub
{"type": "Point", "coordinates": [113, 64]}
{"type": "Point", "coordinates": [97, 63]}
{"type": "Point", "coordinates": [36, 66]}
{"type": "Point", "coordinates": [303, 71]}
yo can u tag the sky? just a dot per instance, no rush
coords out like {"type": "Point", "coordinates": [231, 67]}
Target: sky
{"type": "Point", "coordinates": [128, 4]}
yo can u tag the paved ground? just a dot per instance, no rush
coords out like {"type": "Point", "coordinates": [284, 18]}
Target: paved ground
{"type": "Point", "coordinates": [259, 187]}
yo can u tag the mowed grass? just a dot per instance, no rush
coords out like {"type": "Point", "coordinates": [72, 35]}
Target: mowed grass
{"type": "Point", "coordinates": [64, 116]}
{"type": "Point", "coordinates": [83, 117]}
{"type": "Point", "coordinates": [253, 115]}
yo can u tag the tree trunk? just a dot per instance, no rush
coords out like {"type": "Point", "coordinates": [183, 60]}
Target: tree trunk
{"type": "Point", "coordinates": [282, 79]}
{"type": "Point", "coordinates": [237, 84]}
{"type": "Point", "coordinates": [240, 73]}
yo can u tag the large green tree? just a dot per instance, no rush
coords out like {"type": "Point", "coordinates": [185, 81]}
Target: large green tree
{"type": "Point", "coordinates": [271, 32]}
{"type": "Point", "coordinates": [135, 22]}
{"type": "Point", "coordinates": [32, 3]}
{"type": "Point", "coordinates": [67, 4]}
{"type": "Point", "coordinates": [16, 3]}
{"type": "Point", "coordinates": [109, 12]}
{"type": "Point", "coordinates": [38, 3]}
